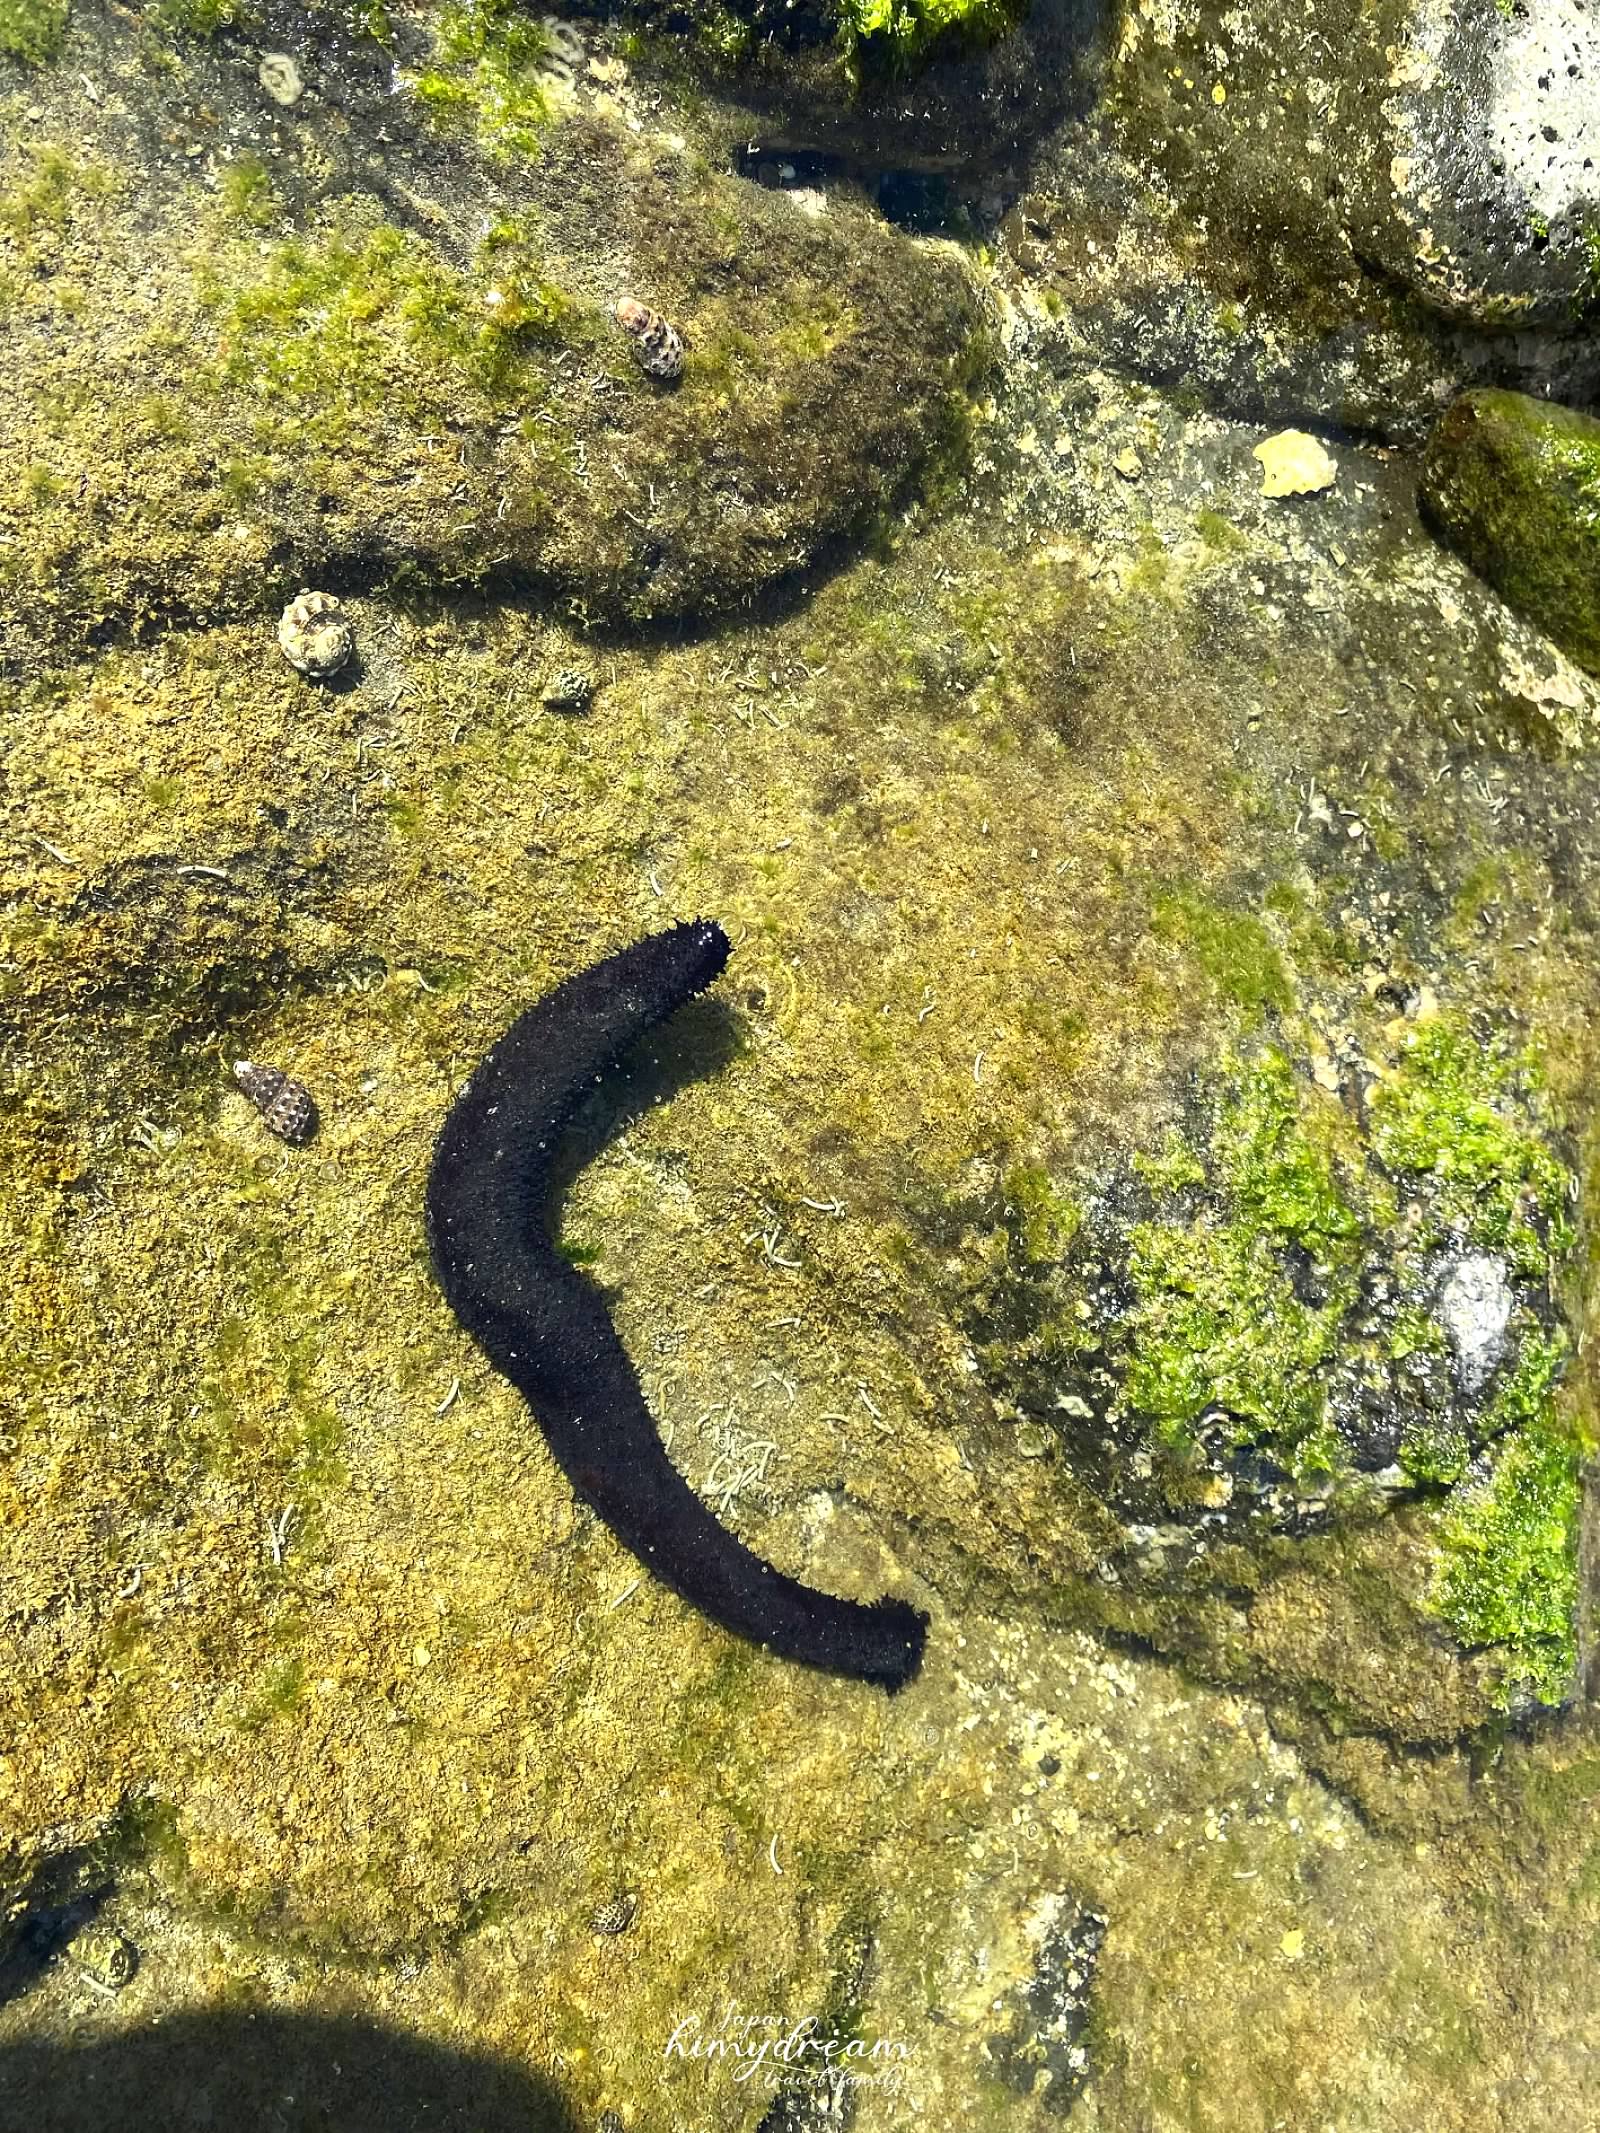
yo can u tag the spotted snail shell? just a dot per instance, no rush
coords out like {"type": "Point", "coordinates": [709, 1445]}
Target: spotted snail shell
{"type": "Point", "coordinates": [616, 1914]}
{"type": "Point", "coordinates": [287, 1106]}
{"type": "Point", "coordinates": [657, 346]}
{"type": "Point", "coordinates": [568, 689]}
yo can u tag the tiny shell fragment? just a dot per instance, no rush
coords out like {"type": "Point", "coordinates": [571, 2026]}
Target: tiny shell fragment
{"type": "Point", "coordinates": [280, 76]}
{"type": "Point", "coordinates": [287, 1106]}
{"type": "Point", "coordinates": [315, 634]}
{"type": "Point", "coordinates": [107, 1957]}
{"type": "Point", "coordinates": [1294, 464]}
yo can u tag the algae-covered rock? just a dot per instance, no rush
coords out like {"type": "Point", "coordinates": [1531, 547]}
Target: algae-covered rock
{"type": "Point", "coordinates": [1514, 484]}
{"type": "Point", "coordinates": [1348, 229]}
{"type": "Point", "coordinates": [229, 384]}
{"type": "Point", "coordinates": [1131, 1192]}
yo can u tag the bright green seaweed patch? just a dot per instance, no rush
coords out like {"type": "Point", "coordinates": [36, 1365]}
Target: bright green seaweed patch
{"type": "Point", "coordinates": [1233, 948]}
{"type": "Point", "coordinates": [32, 29]}
{"type": "Point", "coordinates": [485, 75]}
{"type": "Point", "coordinates": [1218, 1324]}
{"type": "Point", "coordinates": [892, 32]}
{"type": "Point", "coordinates": [1507, 1574]}
{"type": "Point", "coordinates": [1445, 1116]}
{"type": "Point", "coordinates": [1284, 1290]}
{"type": "Point", "coordinates": [360, 323]}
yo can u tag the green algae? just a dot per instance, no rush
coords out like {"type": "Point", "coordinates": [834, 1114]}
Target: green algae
{"type": "Point", "coordinates": [1244, 1299]}
{"type": "Point", "coordinates": [40, 204]}
{"type": "Point", "coordinates": [1233, 948]}
{"type": "Point", "coordinates": [1047, 1220]}
{"type": "Point", "coordinates": [1514, 484]}
{"type": "Point", "coordinates": [1507, 1575]}
{"type": "Point", "coordinates": [1446, 1121]}
{"type": "Point", "coordinates": [484, 77]}
{"type": "Point", "coordinates": [32, 30]}
{"type": "Point", "coordinates": [200, 18]}
{"type": "Point", "coordinates": [289, 374]}
{"type": "Point", "coordinates": [886, 34]}
{"type": "Point", "coordinates": [1217, 1323]}
{"type": "Point", "coordinates": [332, 332]}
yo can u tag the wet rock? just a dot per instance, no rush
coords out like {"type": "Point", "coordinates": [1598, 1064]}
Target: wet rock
{"type": "Point", "coordinates": [1040, 2052]}
{"type": "Point", "coordinates": [48, 1914]}
{"type": "Point", "coordinates": [270, 404]}
{"type": "Point", "coordinates": [1494, 118]}
{"type": "Point", "coordinates": [900, 95]}
{"type": "Point", "coordinates": [1174, 244]}
{"type": "Point", "coordinates": [1514, 485]}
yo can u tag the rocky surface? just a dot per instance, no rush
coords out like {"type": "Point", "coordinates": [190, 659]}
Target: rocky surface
{"type": "Point", "coordinates": [1514, 484]}
{"type": "Point", "coordinates": [1130, 1193]}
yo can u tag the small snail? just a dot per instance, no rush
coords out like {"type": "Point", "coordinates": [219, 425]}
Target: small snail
{"type": "Point", "coordinates": [315, 634]}
{"type": "Point", "coordinates": [657, 346]}
{"type": "Point", "coordinates": [287, 1106]}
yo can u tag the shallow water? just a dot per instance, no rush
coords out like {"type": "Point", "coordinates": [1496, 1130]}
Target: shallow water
{"type": "Point", "coordinates": [1107, 619]}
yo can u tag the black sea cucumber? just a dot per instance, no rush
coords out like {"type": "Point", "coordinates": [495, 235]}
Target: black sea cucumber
{"type": "Point", "coordinates": [545, 1328]}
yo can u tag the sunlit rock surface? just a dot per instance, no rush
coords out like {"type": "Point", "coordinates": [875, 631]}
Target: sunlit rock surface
{"type": "Point", "coordinates": [1129, 1194]}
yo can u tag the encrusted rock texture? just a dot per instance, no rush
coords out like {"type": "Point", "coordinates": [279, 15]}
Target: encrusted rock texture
{"type": "Point", "coordinates": [1130, 1194]}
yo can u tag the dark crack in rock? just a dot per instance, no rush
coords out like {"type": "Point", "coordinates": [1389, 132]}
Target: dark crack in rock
{"type": "Point", "coordinates": [1040, 2052]}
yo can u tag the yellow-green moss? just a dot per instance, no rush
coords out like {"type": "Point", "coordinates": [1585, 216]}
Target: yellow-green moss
{"type": "Point", "coordinates": [32, 29]}
{"type": "Point", "coordinates": [332, 332]}
{"type": "Point", "coordinates": [484, 75]}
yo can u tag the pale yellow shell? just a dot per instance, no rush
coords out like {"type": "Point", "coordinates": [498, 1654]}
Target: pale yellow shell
{"type": "Point", "coordinates": [315, 634]}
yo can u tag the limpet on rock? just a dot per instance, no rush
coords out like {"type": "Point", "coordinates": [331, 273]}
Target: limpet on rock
{"type": "Point", "coordinates": [107, 1958]}
{"type": "Point", "coordinates": [287, 1106]}
{"type": "Point", "coordinates": [315, 634]}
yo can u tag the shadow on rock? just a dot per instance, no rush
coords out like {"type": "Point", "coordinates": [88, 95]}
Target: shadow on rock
{"type": "Point", "coordinates": [269, 2073]}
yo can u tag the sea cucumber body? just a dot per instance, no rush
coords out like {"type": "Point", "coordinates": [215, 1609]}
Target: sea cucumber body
{"type": "Point", "coordinates": [544, 1327]}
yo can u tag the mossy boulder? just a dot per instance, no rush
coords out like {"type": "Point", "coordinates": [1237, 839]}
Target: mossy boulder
{"type": "Point", "coordinates": [1514, 485]}
{"type": "Point", "coordinates": [243, 375]}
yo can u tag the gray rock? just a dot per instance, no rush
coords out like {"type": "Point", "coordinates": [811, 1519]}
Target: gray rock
{"type": "Point", "coordinates": [1475, 1310]}
{"type": "Point", "coordinates": [1496, 124]}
